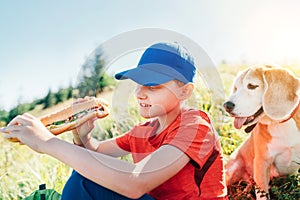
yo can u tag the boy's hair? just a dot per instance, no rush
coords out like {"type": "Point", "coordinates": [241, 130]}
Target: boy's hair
{"type": "Point", "coordinates": [160, 63]}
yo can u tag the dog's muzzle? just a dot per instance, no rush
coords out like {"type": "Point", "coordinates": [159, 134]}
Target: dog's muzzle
{"type": "Point", "coordinates": [242, 121]}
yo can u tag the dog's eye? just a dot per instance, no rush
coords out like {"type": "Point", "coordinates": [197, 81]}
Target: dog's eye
{"type": "Point", "coordinates": [251, 86]}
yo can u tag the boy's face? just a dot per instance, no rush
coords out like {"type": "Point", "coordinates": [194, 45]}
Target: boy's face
{"type": "Point", "coordinates": [158, 100]}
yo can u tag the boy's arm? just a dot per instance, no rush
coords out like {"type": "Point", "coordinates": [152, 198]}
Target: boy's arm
{"type": "Point", "coordinates": [82, 137]}
{"type": "Point", "coordinates": [108, 147]}
{"type": "Point", "coordinates": [131, 180]}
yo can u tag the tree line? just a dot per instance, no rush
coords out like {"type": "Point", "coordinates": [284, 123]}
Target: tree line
{"type": "Point", "coordinates": [92, 81]}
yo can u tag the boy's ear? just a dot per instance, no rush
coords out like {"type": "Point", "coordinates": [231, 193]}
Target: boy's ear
{"type": "Point", "coordinates": [186, 91]}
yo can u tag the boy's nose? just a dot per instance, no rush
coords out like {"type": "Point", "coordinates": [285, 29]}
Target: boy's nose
{"type": "Point", "coordinates": [139, 92]}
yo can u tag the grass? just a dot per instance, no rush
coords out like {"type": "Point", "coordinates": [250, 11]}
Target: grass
{"type": "Point", "coordinates": [281, 188]}
{"type": "Point", "coordinates": [22, 170]}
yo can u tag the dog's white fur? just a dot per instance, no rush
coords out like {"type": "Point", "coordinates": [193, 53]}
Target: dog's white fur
{"type": "Point", "coordinates": [273, 147]}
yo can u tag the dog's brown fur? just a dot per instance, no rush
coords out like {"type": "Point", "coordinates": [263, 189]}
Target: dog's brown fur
{"type": "Point", "coordinates": [273, 148]}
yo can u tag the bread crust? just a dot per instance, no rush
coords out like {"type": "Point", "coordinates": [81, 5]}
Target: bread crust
{"type": "Point", "coordinates": [72, 110]}
{"type": "Point", "coordinates": [93, 108]}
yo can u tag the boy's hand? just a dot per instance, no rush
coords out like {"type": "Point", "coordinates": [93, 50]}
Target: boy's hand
{"type": "Point", "coordinates": [29, 131]}
{"type": "Point", "coordinates": [81, 135]}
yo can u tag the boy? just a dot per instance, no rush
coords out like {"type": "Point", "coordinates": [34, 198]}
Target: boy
{"type": "Point", "coordinates": [176, 153]}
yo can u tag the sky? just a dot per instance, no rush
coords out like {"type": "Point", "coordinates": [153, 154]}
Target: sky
{"type": "Point", "coordinates": [43, 44]}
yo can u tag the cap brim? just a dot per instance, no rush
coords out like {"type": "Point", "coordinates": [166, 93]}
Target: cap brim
{"type": "Point", "coordinates": [143, 76]}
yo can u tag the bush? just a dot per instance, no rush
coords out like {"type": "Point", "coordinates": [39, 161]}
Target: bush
{"type": "Point", "coordinates": [3, 117]}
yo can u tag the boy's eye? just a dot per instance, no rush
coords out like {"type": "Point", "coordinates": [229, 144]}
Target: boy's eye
{"type": "Point", "coordinates": [153, 87]}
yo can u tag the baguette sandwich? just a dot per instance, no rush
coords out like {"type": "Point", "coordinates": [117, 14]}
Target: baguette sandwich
{"type": "Point", "coordinates": [73, 116]}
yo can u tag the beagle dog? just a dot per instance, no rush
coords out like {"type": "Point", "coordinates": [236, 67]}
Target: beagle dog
{"type": "Point", "coordinates": [265, 100]}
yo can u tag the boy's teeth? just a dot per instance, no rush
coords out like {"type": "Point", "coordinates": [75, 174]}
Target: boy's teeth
{"type": "Point", "coordinates": [145, 105]}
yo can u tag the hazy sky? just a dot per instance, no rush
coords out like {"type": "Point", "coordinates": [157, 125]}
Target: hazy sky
{"type": "Point", "coordinates": [44, 43]}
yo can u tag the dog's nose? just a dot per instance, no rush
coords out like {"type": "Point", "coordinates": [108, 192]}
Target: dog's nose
{"type": "Point", "coordinates": [229, 106]}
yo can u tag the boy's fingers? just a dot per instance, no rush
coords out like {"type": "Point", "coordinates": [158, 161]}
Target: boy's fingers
{"type": "Point", "coordinates": [8, 135]}
{"type": "Point", "coordinates": [104, 102]}
{"type": "Point", "coordinates": [11, 137]}
{"type": "Point", "coordinates": [11, 128]}
{"type": "Point", "coordinates": [20, 120]}
{"type": "Point", "coordinates": [91, 123]}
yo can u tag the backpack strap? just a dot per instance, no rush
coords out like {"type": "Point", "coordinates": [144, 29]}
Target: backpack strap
{"type": "Point", "coordinates": [199, 173]}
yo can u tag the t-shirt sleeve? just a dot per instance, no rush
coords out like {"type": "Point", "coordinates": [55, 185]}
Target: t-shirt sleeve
{"type": "Point", "coordinates": [123, 141]}
{"type": "Point", "coordinates": [194, 136]}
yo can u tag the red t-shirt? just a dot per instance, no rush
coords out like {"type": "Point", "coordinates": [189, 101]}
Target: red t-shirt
{"type": "Point", "coordinates": [192, 133]}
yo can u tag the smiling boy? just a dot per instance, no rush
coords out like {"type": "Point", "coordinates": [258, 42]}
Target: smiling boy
{"type": "Point", "coordinates": [176, 152]}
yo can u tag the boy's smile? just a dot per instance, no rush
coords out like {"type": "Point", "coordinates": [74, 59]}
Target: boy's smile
{"type": "Point", "coordinates": [144, 105]}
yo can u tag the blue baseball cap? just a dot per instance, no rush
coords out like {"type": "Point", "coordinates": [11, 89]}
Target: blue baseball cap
{"type": "Point", "coordinates": [160, 63]}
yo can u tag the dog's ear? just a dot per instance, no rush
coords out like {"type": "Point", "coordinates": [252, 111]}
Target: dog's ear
{"type": "Point", "coordinates": [281, 96]}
